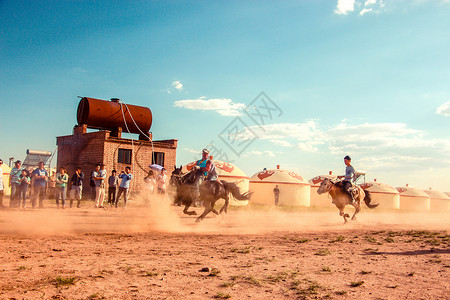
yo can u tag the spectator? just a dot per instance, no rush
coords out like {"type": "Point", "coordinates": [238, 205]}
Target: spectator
{"type": "Point", "coordinates": [161, 181]}
{"type": "Point", "coordinates": [77, 187]}
{"type": "Point", "coordinates": [276, 193]}
{"type": "Point", "coordinates": [40, 177]}
{"type": "Point", "coordinates": [61, 187]}
{"type": "Point", "coordinates": [99, 176]}
{"type": "Point", "coordinates": [149, 187]}
{"type": "Point", "coordinates": [52, 186]}
{"type": "Point", "coordinates": [124, 185]}
{"type": "Point", "coordinates": [113, 182]}
{"type": "Point", "coordinates": [14, 175]}
{"type": "Point", "coordinates": [24, 182]}
{"type": "Point", "coordinates": [1, 185]}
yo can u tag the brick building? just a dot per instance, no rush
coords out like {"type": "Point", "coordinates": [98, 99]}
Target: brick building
{"type": "Point", "coordinates": [85, 149]}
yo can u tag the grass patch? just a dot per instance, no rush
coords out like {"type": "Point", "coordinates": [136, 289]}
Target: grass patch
{"type": "Point", "coordinates": [411, 274]}
{"type": "Point", "coordinates": [243, 250]}
{"type": "Point", "coordinates": [222, 296]}
{"type": "Point", "coordinates": [340, 238]}
{"type": "Point", "coordinates": [252, 280]}
{"type": "Point", "coordinates": [323, 252]}
{"type": "Point", "coordinates": [365, 272]}
{"type": "Point", "coordinates": [95, 296]}
{"type": "Point", "coordinates": [302, 240]}
{"type": "Point", "coordinates": [305, 288]}
{"type": "Point", "coordinates": [22, 268]}
{"type": "Point", "coordinates": [326, 269]}
{"type": "Point", "coordinates": [433, 242]}
{"type": "Point", "coordinates": [214, 272]}
{"type": "Point", "coordinates": [389, 240]}
{"type": "Point", "coordinates": [62, 281]}
{"type": "Point", "coordinates": [357, 283]}
{"type": "Point", "coordinates": [340, 293]}
{"type": "Point", "coordinates": [151, 274]}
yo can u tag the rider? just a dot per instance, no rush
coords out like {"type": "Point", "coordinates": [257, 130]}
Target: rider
{"type": "Point", "coordinates": [349, 177]}
{"type": "Point", "coordinates": [204, 170]}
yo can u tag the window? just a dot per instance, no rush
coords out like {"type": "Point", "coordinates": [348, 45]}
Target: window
{"type": "Point", "coordinates": [158, 158]}
{"type": "Point", "coordinates": [124, 156]}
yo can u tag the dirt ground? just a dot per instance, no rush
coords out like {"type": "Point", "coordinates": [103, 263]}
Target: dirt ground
{"type": "Point", "coordinates": [156, 252]}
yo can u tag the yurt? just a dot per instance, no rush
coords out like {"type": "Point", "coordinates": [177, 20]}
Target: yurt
{"type": "Point", "coordinates": [323, 200]}
{"type": "Point", "coordinates": [413, 199]}
{"type": "Point", "coordinates": [294, 190]}
{"type": "Point", "coordinates": [6, 189]}
{"type": "Point", "coordinates": [230, 173]}
{"type": "Point", "coordinates": [439, 201]}
{"type": "Point", "coordinates": [385, 195]}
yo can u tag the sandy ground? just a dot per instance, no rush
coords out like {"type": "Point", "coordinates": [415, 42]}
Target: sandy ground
{"type": "Point", "coordinates": [251, 253]}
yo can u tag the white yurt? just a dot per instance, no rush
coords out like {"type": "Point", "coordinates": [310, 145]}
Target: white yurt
{"type": "Point", "coordinates": [413, 199]}
{"type": "Point", "coordinates": [294, 189]}
{"type": "Point", "coordinates": [439, 201]}
{"type": "Point", "coordinates": [230, 173]}
{"type": "Point", "coordinates": [385, 195]}
{"type": "Point", "coordinates": [6, 189]}
{"type": "Point", "coordinates": [323, 200]}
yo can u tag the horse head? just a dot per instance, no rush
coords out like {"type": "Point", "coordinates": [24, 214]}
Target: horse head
{"type": "Point", "coordinates": [325, 186]}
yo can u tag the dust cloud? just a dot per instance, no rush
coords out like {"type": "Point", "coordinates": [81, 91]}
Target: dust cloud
{"type": "Point", "coordinates": [157, 214]}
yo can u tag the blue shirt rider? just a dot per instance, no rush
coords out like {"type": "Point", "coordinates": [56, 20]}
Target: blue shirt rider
{"type": "Point", "coordinates": [349, 177]}
{"type": "Point", "coordinates": [206, 166]}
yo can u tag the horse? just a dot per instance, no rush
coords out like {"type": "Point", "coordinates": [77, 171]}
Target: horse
{"type": "Point", "coordinates": [341, 198]}
{"type": "Point", "coordinates": [210, 192]}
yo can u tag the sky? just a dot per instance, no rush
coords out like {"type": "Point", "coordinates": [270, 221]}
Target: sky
{"type": "Point", "coordinates": [298, 84]}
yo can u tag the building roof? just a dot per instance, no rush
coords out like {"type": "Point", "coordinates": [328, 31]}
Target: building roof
{"type": "Point", "coordinates": [437, 195]}
{"type": "Point", "coordinates": [278, 176]}
{"type": "Point", "coordinates": [318, 179]}
{"type": "Point", "coordinates": [411, 191]}
{"type": "Point", "coordinates": [379, 187]}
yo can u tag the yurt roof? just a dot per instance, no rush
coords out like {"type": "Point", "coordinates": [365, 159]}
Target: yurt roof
{"type": "Point", "coordinates": [437, 195]}
{"type": "Point", "coordinates": [318, 179]}
{"type": "Point", "coordinates": [411, 191]}
{"type": "Point", "coordinates": [224, 169]}
{"type": "Point", "coordinates": [278, 176]}
{"type": "Point", "coordinates": [379, 187]}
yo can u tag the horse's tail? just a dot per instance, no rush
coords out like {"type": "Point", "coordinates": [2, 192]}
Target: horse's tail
{"type": "Point", "coordinates": [368, 199]}
{"type": "Point", "coordinates": [231, 187]}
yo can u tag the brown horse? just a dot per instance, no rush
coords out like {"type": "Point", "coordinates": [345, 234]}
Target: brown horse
{"type": "Point", "coordinates": [341, 198]}
{"type": "Point", "coordinates": [210, 192]}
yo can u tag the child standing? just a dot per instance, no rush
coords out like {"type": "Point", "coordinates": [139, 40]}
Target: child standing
{"type": "Point", "coordinates": [62, 178]}
{"type": "Point", "coordinates": [24, 182]}
{"type": "Point", "coordinates": [113, 181]}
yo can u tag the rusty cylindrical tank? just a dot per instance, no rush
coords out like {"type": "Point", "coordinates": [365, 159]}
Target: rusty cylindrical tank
{"type": "Point", "coordinates": [102, 114]}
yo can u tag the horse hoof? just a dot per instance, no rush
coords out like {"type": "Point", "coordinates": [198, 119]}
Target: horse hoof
{"type": "Point", "coordinates": [198, 220]}
{"type": "Point", "coordinates": [347, 215]}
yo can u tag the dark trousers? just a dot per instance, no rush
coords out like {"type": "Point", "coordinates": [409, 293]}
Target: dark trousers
{"type": "Point", "coordinates": [125, 196]}
{"type": "Point", "coordinates": [112, 194]}
{"type": "Point", "coordinates": [15, 195]}
{"type": "Point", "coordinates": [346, 185]}
{"type": "Point", "coordinates": [22, 195]}
{"type": "Point", "coordinates": [1, 198]}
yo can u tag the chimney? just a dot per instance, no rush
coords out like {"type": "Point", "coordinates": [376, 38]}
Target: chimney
{"type": "Point", "coordinates": [278, 167]}
{"type": "Point", "coordinates": [330, 172]}
{"type": "Point", "coordinates": [375, 180]}
{"type": "Point", "coordinates": [407, 184]}
{"type": "Point", "coordinates": [211, 157]}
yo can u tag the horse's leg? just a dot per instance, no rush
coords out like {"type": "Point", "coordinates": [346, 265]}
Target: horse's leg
{"type": "Point", "coordinates": [225, 205]}
{"type": "Point", "coordinates": [357, 206]}
{"type": "Point", "coordinates": [207, 210]}
{"type": "Point", "coordinates": [185, 210]}
{"type": "Point", "coordinates": [342, 213]}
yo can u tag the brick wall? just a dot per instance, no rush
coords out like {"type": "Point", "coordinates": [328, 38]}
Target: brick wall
{"type": "Point", "coordinates": [87, 149]}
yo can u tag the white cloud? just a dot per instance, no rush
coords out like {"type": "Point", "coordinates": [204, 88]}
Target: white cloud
{"type": "Point", "coordinates": [224, 107]}
{"type": "Point", "coordinates": [370, 2]}
{"type": "Point", "coordinates": [259, 153]}
{"type": "Point", "coordinates": [343, 7]}
{"type": "Point", "coordinates": [364, 11]}
{"type": "Point", "coordinates": [444, 109]}
{"type": "Point", "coordinates": [177, 85]}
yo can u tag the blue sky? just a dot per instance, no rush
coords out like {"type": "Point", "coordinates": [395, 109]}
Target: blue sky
{"type": "Point", "coordinates": [364, 78]}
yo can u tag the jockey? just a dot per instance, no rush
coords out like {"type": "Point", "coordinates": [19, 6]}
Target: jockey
{"type": "Point", "coordinates": [206, 166]}
{"type": "Point", "coordinates": [349, 177]}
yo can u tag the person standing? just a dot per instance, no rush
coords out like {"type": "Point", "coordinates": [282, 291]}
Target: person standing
{"type": "Point", "coordinates": [61, 187]}
{"type": "Point", "coordinates": [161, 181]}
{"type": "Point", "coordinates": [124, 186]}
{"type": "Point", "coordinates": [276, 193]}
{"type": "Point", "coordinates": [51, 193]}
{"type": "Point", "coordinates": [77, 187]}
{"type": "Point", "coordinates": [1, 185]}
{"type": "Point", "coordinates": [113, 182]}
{"type": "Point", "coordinates": [149, 187]}
{"type": "Point", "coordinates": [14, 175]}
{"type": "Point", "coordinates": [40, 177]}
{"type": "Point", "coordinates": [24, 182]}
{"type": "Point", "coordinates": [99, 176]}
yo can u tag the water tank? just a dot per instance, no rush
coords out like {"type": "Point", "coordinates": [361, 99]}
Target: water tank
{"type": "Point", "coordinates": [102, 114]}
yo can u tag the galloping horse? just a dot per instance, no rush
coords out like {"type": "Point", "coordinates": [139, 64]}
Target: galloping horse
{"type": "Point", "coordinates": [340, 198]}
{"type": "Point", "coordinates": [210, 192]}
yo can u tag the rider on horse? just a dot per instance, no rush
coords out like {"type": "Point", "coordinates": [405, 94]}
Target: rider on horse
{"type": "Point", "coordinates": [204, 169]}
{"type": "Point", "coordinates": [349, 177]}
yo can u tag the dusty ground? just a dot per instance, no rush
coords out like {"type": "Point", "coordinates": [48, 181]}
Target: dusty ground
{"type": "Point", "coordinates": [157, 253]}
